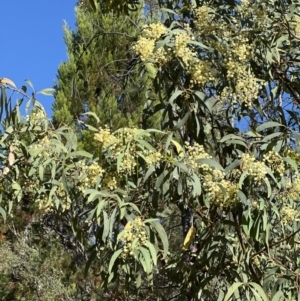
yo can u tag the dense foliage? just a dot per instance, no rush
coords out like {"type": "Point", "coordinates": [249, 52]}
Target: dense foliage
{"type": "Point", "coordinates": [99, 72]}
{"type": "Point", "coordinates": [205, 207]}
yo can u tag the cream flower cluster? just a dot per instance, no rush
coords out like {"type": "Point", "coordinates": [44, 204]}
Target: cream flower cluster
{"type": "Point", "coordinates": [239, 53]}
{"type": "Point", "coordinates": [154, 30]}
{"type": "Point", "coordinates": [241, 49]}
{"type": "Point", "coordinates": [295, 24]}
{"type": "Point", "coordinates": [129, 162]}
{"type": "Point", "coordinates": [245, 84]}
{"type": "Point", "coordinates": [203, 18]}
{"type": "Point", "coordinates": [242, 85]}
{"type": "Point", "coordinates": [254, 204]}
{"type": "Point", "coordinates": [236, 56]}
{"type": "Point", "coordinates": [115, 143]}
{"type": "Point", "coordinates": [275, 162]}
{"type": "Point", "coordinates": [181, 49]}
{"type": "Point", "coordinates": [104, 137]}
{"type": "Point", "coordinates": [292, 189]}
{"type": "Point", "coordinates": [211, 178]}
{"type": "Point", "coordinates": [30, 186]}
{"type": "Point", "coordinates": [288, 214]}
{"type": "Point", "coordinates": [131, 153]}
{"type": "Point", "coordinates": [216, 195]}
{"type": "Point", "coordinates": [64, 199]}
{"type": "Point", "coordinates": [152, 157]}
{"type": "Point", "coordinates": [144, 47]}
{"type": "Point", "coordinates": [253, 168]}
{"type": "Point", "coordinates": [60, 193]}
{"type": "Point", "coordinates": [194, 153]}
{"type": "Point", "coordinates": [246, 87]}
{"type": "Point", "coordinates": [146, 44]}
{"type": "Point", "coordinates": [36, 117]}
{"type": "Point", "coordinates": [133, 236]}
{"type": "Point", "coordinates": [260, 17]}
{"type": "Point", "coordinates": [90, 175]}
{"type": "Point", "coordinates": [44, 146]}
{"type": "Point", "coordinates": [201, 72]}
{"type": "Point", "coordinates": [234, 68]}
{"type": "Point", "coordinates": [42, 201]}
{"type": "Point", "coordinates": [293, 155]}
{"type": "Point", "coordinates": [256, 261]}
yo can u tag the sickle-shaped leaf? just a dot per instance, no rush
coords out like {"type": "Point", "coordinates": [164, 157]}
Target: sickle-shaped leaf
{"type": "Point", "coordinates": [113, 259]}
{"type": "Point", "coordinates": [47, 91]}
{"type": "Point", "coordinates": [232, 289]}
{"type": "Point", "coordinates": [7, 81]}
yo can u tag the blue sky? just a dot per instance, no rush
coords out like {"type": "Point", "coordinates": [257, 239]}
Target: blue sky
{"type": "Point", "coordinates": [31, 44]}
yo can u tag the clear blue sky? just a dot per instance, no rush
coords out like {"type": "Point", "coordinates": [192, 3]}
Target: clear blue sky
{"type": "Point", "coordinates": [31, 43]}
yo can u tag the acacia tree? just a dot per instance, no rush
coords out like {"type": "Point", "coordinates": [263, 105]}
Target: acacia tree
{"type": "Point", "coordinates": [237, 190]}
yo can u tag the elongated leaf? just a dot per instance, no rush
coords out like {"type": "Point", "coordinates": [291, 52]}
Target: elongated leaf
{"type": "Point", "coordinates": [232, 289]}
{"type": "Point", "coordinates": [89, 262]}
{"type": "Point", "coordinates": [271, 136]}
{"type": "Point", "coordinates": [113, 259]}
{"type": "Point", "coordinates": [41, 172]}
{"type": "Point", "coordinates": [168, 11]}
{"type": "Point", "coordinates": [162, 235]}
{"type": "Point", "coordinates": [230, 137]}
{"type": "Point", "coordinates": [178, 148]}
{"type": "Point", "coordinates": [169, 139]}
{"type": "Point", "coordinates": [180, 165]}
{"type": "Point", "coordinates": [147, 260]}
{"type": "Point", "coordinates": [174, 96]}
{"type": "Point", "coordinates": [152, 250]}
{"type": "Point", "coordinates": [269, 189]}
{"type": "Point", "coordinates": [112, 221]}
{"type": "Point", "coordinates": [260, 291]}
{"type": "Point", "coordinates": [3, 213]}
{"type": "Point", "coordinates": [278, 296]}
{"type": "Point", "coordinates": [197, 189]}
{"type": "Point", "coordinates": [93, 115]}
{"type": "Point", "coordinates": [199, 94]}
{"type": "Point", "coordinates": [47, 92]}
{"type": "Point", "coordinates": [149, 172]}
{"type": "Point", "coordinates": [161, 179]}
{"type": "Point", "coordinates": [29, 83]}
{"type": "Point", "coordinates": [146, 144]}
{"type": "Point", "coordinates": [269, 124]}
{"type": "Point", "coordinates": [242, 179]}
{"type": "Point", "coordinates": [236, 141]}
{"type": "Point", "coordinates": [199, 44]}
{"type": "Point", "coordinates": [189, 238]}
{"type": "Point", "coordinates": [183, 121]}
{"type": "Point", "coordinates": [81, 153]}
{"type": "Point", "coordinates": [105, 226]}
{"type": "Point", "coordinates": [211, 163]}
{"type": "Point", "coordinates": [291, 162]}
{"type": "Point", "coordinates": [233, 165]}
{"type": "Point", "coordinates": [7, 81]}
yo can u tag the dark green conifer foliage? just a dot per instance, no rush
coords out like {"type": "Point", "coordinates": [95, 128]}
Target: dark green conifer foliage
{"type": "Point", "coordinates": [101, 74]}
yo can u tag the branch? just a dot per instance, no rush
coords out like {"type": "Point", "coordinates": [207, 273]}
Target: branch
{"type": "Point", "coordinates": [238, 230]}
{"type": "Point", "coordinates": [275, 243]}
{"type": "Point", "coordinates": [98, 34]}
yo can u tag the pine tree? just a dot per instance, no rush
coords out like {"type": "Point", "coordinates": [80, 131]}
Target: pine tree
{"type": "Point", "coordinates": [101, 74]}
